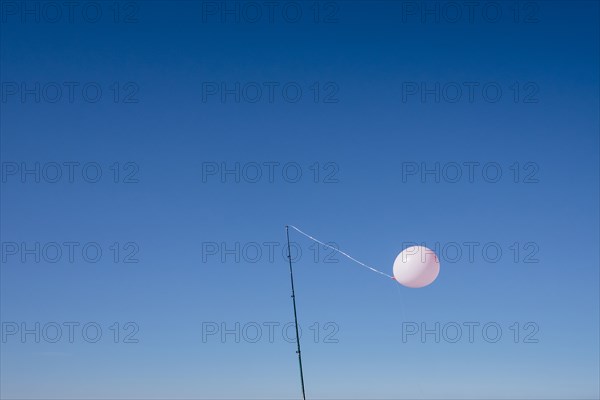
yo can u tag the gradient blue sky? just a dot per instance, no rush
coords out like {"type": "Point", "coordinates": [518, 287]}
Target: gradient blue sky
{"type": "Point", "coordinates": [370, 133]}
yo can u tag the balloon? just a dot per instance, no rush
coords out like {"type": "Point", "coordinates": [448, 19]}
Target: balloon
{"type": "Point", "coordinates": [416, 267]}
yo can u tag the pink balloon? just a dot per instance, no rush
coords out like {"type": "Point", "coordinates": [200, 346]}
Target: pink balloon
{"type": "Point", "coordinates": [416, 267]}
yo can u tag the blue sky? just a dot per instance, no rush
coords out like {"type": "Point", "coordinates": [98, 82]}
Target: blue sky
{"type": "Point", "coordinates": [199, 176]}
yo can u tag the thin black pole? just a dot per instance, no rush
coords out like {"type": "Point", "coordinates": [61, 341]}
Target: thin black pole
{"type": "Point", "coordinates": [287, 232]}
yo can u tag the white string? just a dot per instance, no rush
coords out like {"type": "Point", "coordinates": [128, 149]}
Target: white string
{"type": "Point", "coordinates": [341, 252]}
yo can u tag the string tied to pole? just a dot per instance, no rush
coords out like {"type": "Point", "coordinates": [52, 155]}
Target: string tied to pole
{"type": "Point", "coordinates": [341, 252]}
